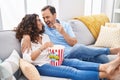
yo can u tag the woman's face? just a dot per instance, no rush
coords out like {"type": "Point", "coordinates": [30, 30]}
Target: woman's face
{"type": "Point", "coordinates": [39, 23]}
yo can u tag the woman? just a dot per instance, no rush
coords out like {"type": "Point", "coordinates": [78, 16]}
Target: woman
{"type": "Point", "coordinates": [70, 68]}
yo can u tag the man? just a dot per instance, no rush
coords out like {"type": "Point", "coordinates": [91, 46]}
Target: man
{"type": "Point", "coordinates": [61, 33]}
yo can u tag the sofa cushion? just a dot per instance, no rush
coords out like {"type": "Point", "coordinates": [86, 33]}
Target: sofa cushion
{"type": "Point", "coordinates": [8, 43]}
{"type": "Point", "coordinates": [82, 33]}
{"type": "Point", "coordinates": [108, 37]}
{"type": "Point", "coordinates": [9, 66]}
{"type": "Point", "coordinates": [29, 70]}
{"type": "Point", "coordinates": [112, 24]}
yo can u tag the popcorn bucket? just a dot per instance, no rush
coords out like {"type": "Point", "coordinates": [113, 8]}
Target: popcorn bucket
{"type": "Point", "coordinates": [56, 55]}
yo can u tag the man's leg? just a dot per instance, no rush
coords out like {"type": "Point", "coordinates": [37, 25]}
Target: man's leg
{"type": "Point", "coordinates": [87, 53]}
{"type": "Point", "coordinates": [101, 59]}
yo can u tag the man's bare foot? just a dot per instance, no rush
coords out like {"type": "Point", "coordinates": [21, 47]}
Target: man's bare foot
{"type": "Point", "coordinates": [114, 51]}
{"type": "Point", "coordinates": [111, 66]}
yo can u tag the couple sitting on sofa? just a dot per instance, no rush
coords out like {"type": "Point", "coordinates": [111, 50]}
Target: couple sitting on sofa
{"type": "Point", "coordinates": [32, 28]}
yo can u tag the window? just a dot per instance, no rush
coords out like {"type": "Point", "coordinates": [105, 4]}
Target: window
{"type": "Point", "coordinates": [12, 11]}
{"type": "Point", "coordinates": [93, 7]}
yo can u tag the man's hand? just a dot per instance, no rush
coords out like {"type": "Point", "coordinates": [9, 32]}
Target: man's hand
{"type": "Point", "coordinates": [26, 44]}
{"type": "Point", "coordinates": [70, 40]}
{"type": "Point", "coordinates": [59, 28]}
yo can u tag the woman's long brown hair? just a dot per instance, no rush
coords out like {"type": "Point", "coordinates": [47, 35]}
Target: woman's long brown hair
{"type": "Point", "coordinates": [28, 26]}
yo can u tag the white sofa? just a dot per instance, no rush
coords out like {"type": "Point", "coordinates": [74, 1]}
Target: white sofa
{"type": "Point", "coordinates": [8, 42]}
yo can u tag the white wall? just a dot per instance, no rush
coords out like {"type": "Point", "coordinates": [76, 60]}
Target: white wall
{"type": "Point", "coordinates": [67, 9]}
{"type": "Point", "coordinates": [71, 8]}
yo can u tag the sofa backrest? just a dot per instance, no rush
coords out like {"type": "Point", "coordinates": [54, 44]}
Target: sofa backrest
{"type": "Point", "coordinates": [82, 33]}
{"type": "Point", "coordinates": [8, 43]}
{"type": "Point", "coordinates": [94, 22]}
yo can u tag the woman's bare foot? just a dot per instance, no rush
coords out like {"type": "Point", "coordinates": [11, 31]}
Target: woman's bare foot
{"type": "Point", "coordinates": [115, 75]}
{"type": "Point", "coordinates": [111, 66]}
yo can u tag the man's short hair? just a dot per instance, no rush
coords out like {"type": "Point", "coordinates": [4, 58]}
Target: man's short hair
{"type": "Point", "coordinates": [51, 8]}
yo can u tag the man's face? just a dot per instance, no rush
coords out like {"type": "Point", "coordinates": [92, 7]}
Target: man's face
{"type": "Point", "coordinates": [48, 17]}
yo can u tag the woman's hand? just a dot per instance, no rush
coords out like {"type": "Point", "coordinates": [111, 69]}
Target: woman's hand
{"type": "Point", "coordinates": [46, 45]}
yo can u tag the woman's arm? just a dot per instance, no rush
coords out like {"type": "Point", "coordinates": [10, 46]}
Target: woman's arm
{"type": "Point", "coordinates": [37, 52]}
{"type": "Point", "coordinates": [26, 43]}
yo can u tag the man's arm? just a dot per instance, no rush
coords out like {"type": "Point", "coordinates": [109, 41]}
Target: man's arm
{"type": "Point", "coordinates": [26, 44]}
{"type": "Point", "coordinates": [70, 40]}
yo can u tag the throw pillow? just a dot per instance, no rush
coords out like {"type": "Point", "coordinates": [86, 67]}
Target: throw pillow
{"type": "Point", "coordinates": [108, 37]}
{"type": "Point", "coordinates": [112, 24]}
{"type": "Point", "coordinates": [9, 66]}
{"type": "Point", "coordinates": [29, 70]}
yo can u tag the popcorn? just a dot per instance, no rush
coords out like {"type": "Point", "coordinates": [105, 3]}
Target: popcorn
{"type": "Point", "coordinates": [56, 54]}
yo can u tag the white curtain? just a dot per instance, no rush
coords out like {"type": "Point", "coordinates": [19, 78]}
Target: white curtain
{"type": "Point", "coordinates": [93, 7]}
{"type": "Point", "coordinates": [12, 11]}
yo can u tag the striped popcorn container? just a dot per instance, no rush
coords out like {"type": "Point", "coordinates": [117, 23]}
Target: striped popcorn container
{"type": "Point", "coordinates": [56, 55]}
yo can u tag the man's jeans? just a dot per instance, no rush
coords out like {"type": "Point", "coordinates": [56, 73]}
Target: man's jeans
{"type": "Point", "coordinates": [88, 53]}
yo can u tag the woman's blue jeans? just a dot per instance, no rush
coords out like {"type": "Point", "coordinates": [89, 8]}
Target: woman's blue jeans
{"type": "Point", "coordinates": [73, 69]}
{"type": "Point", "coordinates": [88, 53]}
